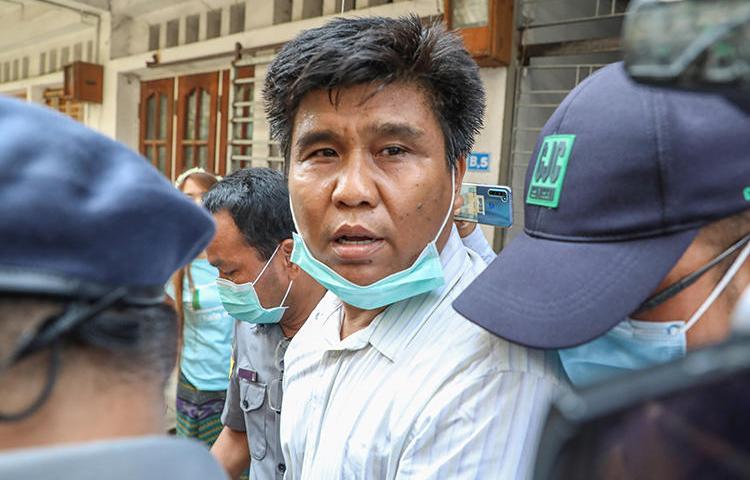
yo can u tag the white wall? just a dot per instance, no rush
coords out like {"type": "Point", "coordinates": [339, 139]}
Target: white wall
{"type": "Point", "coordinates": [491, 137]}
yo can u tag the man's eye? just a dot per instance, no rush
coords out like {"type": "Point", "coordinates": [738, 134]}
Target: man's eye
{"type": "Point", "coordinates": [393, 151]}
{"type": "Point", "coordinates": [324, 152]}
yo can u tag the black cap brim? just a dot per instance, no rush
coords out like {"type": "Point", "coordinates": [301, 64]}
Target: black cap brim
{"type": "Point", "coordinates": [556, 294]}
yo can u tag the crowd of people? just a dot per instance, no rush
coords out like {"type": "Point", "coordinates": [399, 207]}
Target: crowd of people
{"type": "Point", "coordinates": [333, 321]}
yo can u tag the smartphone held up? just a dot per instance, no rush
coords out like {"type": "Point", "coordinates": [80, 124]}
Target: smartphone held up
{"type": "Point", "coordinates": [486, 204]}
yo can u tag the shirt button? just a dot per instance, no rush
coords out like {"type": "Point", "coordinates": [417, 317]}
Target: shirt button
{"type": "Point", "coordinates": [282, 468]}
{"type": "Point", "coordinates": [245, 404]}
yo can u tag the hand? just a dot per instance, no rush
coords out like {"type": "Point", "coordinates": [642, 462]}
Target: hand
{"type": "Point", "coordinates": [464, 228]}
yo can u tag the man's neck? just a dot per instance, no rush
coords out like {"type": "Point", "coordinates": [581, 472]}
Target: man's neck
{"type": "Point", "coordinates": [73, 416]}
{"type": "Point", "coordinates": [305, 295]}
{"type": "Point", "coordinates": [356, 319]}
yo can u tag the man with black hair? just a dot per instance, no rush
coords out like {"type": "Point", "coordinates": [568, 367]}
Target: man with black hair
{"type": "Point", "coordinates": [375, 117]}
{"type": "Point", "coordinates": [86, 340]}
{"type": "Point", "coordinates": [270, 297]}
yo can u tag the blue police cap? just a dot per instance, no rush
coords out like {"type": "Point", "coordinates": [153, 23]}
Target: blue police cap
{"type": "Point", "coordinates": [622, 178]}
{"type": "Point", "coordinates": [81, 214]}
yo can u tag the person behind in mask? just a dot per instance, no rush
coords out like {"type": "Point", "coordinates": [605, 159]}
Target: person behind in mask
{"type": "Point", "coordinates": [637, 230]}
{"type": "Point", "coordinates": [86, 340]}
{"type": "Point", "coordinates": [375, 117]}
{"type": "Point", "coordinates": [270, 297]}
{"type": "Point", "coordinates": [206, 334]}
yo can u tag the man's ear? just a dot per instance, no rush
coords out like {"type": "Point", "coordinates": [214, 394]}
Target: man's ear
{"type": "Point", "coordinates": [460, 172]}
{"type": "Point", "coordinates": [285, 249]}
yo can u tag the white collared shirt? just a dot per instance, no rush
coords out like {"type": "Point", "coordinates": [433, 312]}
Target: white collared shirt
{"type": "Point", "coordinates": [477, 242]}
{"type": "Point", "coordinates": [420, 393]}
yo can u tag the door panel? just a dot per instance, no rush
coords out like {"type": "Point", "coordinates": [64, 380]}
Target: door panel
{"type": "Point", "coordinates": [197, 103]}
{"type": "Point", "coordinates": [156, 123]}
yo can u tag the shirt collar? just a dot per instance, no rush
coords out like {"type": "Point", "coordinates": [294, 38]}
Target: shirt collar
{"type": "Point", "coordinates": [397, 325]}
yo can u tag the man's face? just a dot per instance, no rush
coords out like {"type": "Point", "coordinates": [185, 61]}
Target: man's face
{"type": "Point", "coordinates": [369, 180]}
{"type": "Point", "coordinates": [240, 263]}
{"type": "Point", "coordinates": [713, 326]}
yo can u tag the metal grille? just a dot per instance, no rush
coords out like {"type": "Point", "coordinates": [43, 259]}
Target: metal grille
{"type": "Point", "coordinates": [249, 140]}
{"type": "Point", "coordinates": [563, 42]}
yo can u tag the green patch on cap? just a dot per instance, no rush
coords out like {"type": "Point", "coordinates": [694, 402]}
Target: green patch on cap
{"type": "Point", "coordinates": [549, 173]}
{"type": "Point", "coordinates": [746, 192]}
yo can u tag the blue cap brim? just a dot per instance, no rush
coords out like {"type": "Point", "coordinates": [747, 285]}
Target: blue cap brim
{"type": "Point", "coordinates": [554, 294]}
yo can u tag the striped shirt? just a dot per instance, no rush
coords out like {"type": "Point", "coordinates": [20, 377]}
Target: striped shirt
{"type": "Point", "coordinates": [420, 393]}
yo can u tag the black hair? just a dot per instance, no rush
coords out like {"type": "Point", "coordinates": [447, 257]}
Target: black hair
{"type": "Point", "coordinates": [258, 201]}
{"type": "Point", "coordinates": [380, 51]}
{"type": "Point", "coordinates": [127, 343]}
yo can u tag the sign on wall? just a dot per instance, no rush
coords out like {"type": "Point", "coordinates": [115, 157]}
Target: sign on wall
{"type": "Point", "coordinates": [479, 162]}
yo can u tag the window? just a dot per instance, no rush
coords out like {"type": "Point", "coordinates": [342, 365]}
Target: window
{"type": "Point", "coordinates": [64, 56]}
{"type": "Point", "coordinates": [53, 60]}
{"type": "Point", "coordinates": [156, 123]}
{"type": "Point", "coordinates": [486, 27]}
{"type": "Point", "coordinates": [42, 63]}
{"type": "Point", "coordinates": [250, 146]}
{"type": "Point", "coordinates": [197, 104]}
{"type": "Point", "coordinates": [184, 132]}
{"type": "Point", "coordinates": [153, 36]}
{"type": "Point", "coordinates": [25, 68]}
{"type": "Point", "coordinates": [15, 69]}
{"type": "Point", "coordinates": [77, 52]}
{"type": "Point", "coordinates": [244, 113]}
{"type": "Point", "coordinates": [192, 23]}
{"type": "Point", "coordinates": [90, 51]}
{"type": "Point", "coordinates": [213, 24]}
{"type": "Point", "coordinates": [173, 32]}
{"type": "Point", "coordinates": [237, 18]}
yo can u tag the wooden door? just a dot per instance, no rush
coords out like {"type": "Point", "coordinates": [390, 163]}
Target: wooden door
{"type": "Point", "coordinates": [157, 102]}
{"type": "Point", "coordinates": [197, 103]}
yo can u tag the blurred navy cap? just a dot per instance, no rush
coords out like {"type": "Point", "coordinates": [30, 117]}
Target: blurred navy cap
{"type": "Point", "coordinates": [81, 214]}
{"type": "Point", "coordinates": [622, 178]}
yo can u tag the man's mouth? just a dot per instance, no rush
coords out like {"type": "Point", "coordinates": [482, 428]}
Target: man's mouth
{"type": "Point", "coordinates": [348, 240]}
{"type": "Point", "coordinates": [356, 243]}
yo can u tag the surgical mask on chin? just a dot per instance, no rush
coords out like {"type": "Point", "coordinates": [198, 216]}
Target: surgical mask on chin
{"type": "Point", "coordinates": [635, 344]}
{"type": "Point", "coordinates": [242, 302]}
{"type": "Point", "coordinates": [424, 275]}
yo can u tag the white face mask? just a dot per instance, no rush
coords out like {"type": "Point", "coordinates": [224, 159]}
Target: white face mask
{"type": "Point", "coordinates": [636, 344]}
{"type": "Point", "coordinates": [741, 316]}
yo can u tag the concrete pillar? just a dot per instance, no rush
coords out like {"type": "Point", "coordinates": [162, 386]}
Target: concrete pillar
{"type": "Point", "coordinates": [258, 14]}
{"type": "Point", "coordinates": [302, 9]}
{"type": "Point", "coordinates": [369, 3]}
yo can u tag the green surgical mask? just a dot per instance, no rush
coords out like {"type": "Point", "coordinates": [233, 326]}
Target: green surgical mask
{"type": "Point", "coordinates": [424, 275]}
{"type": "Point", "coordinates": [242, 302]}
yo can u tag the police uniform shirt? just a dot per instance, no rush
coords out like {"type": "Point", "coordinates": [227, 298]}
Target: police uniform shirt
{"type": "Point", "coordinates": [253, 403]}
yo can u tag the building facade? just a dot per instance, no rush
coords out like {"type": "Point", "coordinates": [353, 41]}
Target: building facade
{"type": "Point", "coordinates": [182, 78]}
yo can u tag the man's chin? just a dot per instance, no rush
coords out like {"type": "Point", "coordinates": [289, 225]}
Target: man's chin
{"type": "Point", "coordinates": [363, 274]}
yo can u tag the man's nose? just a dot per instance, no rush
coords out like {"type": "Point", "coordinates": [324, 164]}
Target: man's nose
{"type": "Point", "coordinates": [355, 184]}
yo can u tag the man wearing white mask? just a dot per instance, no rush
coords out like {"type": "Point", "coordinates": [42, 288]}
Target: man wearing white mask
{"type": "Point", "coordinates": [375, 117]}
{"type": "Point", "coordinates": [270, 298]}
{"type": "Point", "coordinates": [637, 230]}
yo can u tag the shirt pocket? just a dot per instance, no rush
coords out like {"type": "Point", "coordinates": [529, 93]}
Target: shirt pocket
{"type": "Point", "coordinates": [252, 396]}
